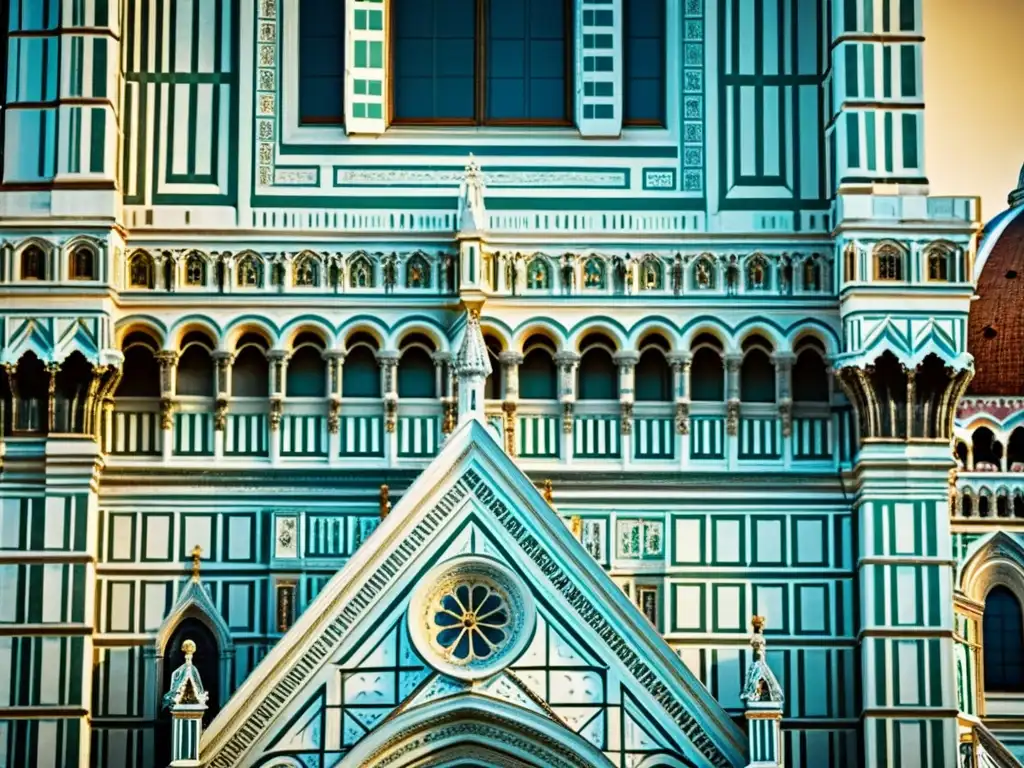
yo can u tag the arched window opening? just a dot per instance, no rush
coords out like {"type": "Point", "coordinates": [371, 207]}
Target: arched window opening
{"type": "Point", "coordinates": [757, 372]}
{"type": "Point", "coordinates": [983, 504]}
{"type": "Point", "coordinates": [494, 385]}
{"type": "Point", "coordinates": [83, 264]}
{"type": "Point", "coordinates": [31, 383]}
{"type": "Point", "coordinates": [988, 451]}
{"type": "Point", "coordinates": [71, 394]}
{"type": "Point", "coordinates": [931, 381]}
{"type": "Point", "coordinates": [707, 370]}
{"type": "Point", "coordinates": [888, 262]}
{"type": "Point", "coordinates": [207, 662]}
{"type": "Point", "coordinates": [538, 274]}
{"type": "Point", "coordinates": [417, 272]}
{"type": "Point", "coordinates": [360, 375]}
{"type": "Point", "coordinates": [810, 376]}
{"type": "Point", "coordinates": [538, 375]}
{"type": "Point", "coordinates": [360, 273]}
{"type": "Point", "coordinates": [940, 263]}
{"type": "Point", "coordinates": [889, 381]}
{"type": "Point", "coordinates": [1003, 638]}
{"type": "Point", "coordinates": [1002, 505]}
{"type": "Point", "coordinates": [306, 272]}
{"type": "Point", "coordinates": [250, 371]}
{"type": "Point", "coordinates": [33, 263]}
{"type": "Point", "coordinates": [140, 375]}
{"type": "Point", "coordinates": [195, 368]}
{"type": "Point", "coordinates": [1015, 450]}
{"type": "Point", "coordinates": [653, 376]}
{"type": "Point", "coordinates": [1018, 505]}
{"type": "Point", "coordinates": [967, 505]}
{"type": "Point", "coordinates": [306, 375]}
{"type": "Point", "coordinates": [598, 376]}
{"type": "Point", "coordinates": [850, 264]}
{"type": "Point", "coordinates": [140, 271]}
{"type": "Point", "coordinates": [416, 374]}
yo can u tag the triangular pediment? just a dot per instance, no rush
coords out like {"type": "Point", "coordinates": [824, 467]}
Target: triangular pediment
{"type": "Point", "coordinates": [377, 646]}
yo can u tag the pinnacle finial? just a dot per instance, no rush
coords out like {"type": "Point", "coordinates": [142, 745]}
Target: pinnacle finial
{"type": "Point", "coordinates": [197, 553]}
{"type": "Point", "coordinates": [189, 649]}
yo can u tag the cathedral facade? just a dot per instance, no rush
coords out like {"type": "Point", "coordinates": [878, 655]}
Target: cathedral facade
{"type": "Point", "coordinates": [500, 383]}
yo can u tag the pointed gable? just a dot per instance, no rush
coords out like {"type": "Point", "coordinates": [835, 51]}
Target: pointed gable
{"type": "Point", "coordinates": [358, 657]}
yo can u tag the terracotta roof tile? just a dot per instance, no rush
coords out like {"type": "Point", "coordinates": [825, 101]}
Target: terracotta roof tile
{"type": "Point", "coordinates": [995, 330]}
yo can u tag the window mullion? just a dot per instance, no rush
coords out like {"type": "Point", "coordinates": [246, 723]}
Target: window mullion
{"type": "Point", "coordinates": [367, 75]}
{"type": "Point", "coordinates": [597, 32]}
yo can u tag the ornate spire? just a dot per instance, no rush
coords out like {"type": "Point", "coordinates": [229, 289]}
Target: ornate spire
{"type": "Point", "coordinates": [472, 358]}
{"type": "Point", "coordinates": [472, 215]}
{"type": "Point", "coordinates": [761, 686]}
{"type": "Point", "coordinates": [186, 685]}
{"type": "Point", "coordinates": [186, 700]}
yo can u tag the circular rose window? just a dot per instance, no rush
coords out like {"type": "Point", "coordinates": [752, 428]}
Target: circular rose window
{"type": "Point", "coordinates": [471, 617]}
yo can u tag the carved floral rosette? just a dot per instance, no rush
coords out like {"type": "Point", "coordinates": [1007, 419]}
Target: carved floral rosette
{"type": "Point", "coordinates": [471, 617]}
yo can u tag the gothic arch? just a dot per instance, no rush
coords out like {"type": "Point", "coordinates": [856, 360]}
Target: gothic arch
{"type": "Point", "coordinates": [997, 560]}
{"type": "Point", "coordinates": [427, 735]}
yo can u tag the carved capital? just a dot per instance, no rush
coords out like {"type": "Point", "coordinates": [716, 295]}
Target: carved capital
{"type": "Point", "coordinates": [626, 358]}
{"type": "Point", "coordinates": [510, 358]}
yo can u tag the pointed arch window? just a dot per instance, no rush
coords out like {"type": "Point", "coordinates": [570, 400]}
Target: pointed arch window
{"type": "Point", "coordinates": [361, 273]}
{"type": "Point", "coordinates": [33, 263]}
{"type": "Point", "coordinates": [83, 264]}
{"type": "Point", "coordinates": [195, 270]}
{"type": "Point", "coordinates": [888, 263]}
{"type": "Point", "coordinates": [939, 260]}
{"type": "Point", "coordinates": [538, 274]}
{"type": "Point", "coordinates": [417, 272]}
{"type": "Point", "coordinates": [1003, 639]}
{"type": "Point", "coordinates": [594, 274]}
{"type": "Point", "coordinates": [306, 273]}
{"type": "Point", "coordinates": [140, 271]}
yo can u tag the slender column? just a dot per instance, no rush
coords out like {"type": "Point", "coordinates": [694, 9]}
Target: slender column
{"type": "Point", "coordinates": [567, 363]}
{"type": "Point", "coordinates": [784, 397]}
{"type": "Point", "coordinates": [52, 369]}
{"type": "Point", "coordinates": [680, 362]}
{"type": "Point", "coordinates": [443, 387]}
{"type": "Point", "coordinates": [733, 362]}
{"type": "Point", "coordinates": [388, 360]}
{"type": "Point", "coordinates": [510, 362]}
{"type": "Point", "coordinates": [626, 360]}
{"type": "Point", "coordinates": [168, 359]}
{"type": "Point", "coordinates": [335, 365]}
{"type": "Point", "coordinates": [223, 362]}
{"type": "Point", "coordinates": [278, 371]}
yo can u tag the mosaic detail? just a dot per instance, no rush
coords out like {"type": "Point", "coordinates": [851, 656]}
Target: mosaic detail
{"type": "Point", "coordinates": [267, 31]}
{"type": "Point", "coordinates": [693, 97]}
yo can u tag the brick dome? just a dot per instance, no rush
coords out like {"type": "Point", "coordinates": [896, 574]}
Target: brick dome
{"type": "Point", "coordinates": [995, 331]}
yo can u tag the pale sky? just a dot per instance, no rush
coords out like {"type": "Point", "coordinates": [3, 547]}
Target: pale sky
{"type": "Point", "coordinates": [974, 98]}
